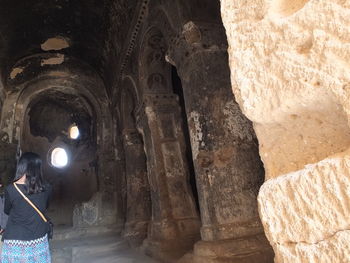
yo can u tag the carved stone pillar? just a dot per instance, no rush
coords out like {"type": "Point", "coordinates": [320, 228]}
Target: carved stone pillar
{"type": "Point", "coordinates": [228, 169]}
{"type": "Point", "coordinates": [138, 202]}
{"type": "Point", "coordinates": [175, 224]}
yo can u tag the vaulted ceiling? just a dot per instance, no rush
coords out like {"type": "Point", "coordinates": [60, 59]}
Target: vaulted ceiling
{"type": "Point", "coordinates": [93, 29]}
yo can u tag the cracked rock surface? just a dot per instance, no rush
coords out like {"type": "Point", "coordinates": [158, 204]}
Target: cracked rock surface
{"type": "Point", "coordinates": [290, 75]}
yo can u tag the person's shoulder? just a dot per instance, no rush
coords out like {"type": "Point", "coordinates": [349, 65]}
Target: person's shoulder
{"type": "Point", "coordinates": [10, 188]}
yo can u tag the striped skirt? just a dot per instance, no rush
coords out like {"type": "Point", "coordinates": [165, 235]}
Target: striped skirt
{"type": "Point", "coordinates": [33, 251]}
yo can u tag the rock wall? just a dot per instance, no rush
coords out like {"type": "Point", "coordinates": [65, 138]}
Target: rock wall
{"type": "Point", "coordinates": [290, 75]}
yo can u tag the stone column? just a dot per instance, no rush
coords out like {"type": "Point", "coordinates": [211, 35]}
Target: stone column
{"type": "Point", "coordinates": [138, 202]}
{"type": "Point", "coordinates": [175, 223]}
{"type": "Point", "coordinates": [228, 168]}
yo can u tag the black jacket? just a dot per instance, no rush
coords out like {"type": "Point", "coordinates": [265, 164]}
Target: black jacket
{"type": "Point", "coordinates": [24, 223]}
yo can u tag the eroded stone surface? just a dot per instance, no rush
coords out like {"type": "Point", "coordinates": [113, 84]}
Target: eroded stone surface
{"type": "Point", "coordinates": [289, 73]}
{"type": "Point", "coordinates": [225, 153]}
{"type": "Point", "coordinates": [58, 59]}
{"type": "Point", "coordinates": [55, 43]}
{"type": "Point", "coordinates": [309, 205]}
{"type": "Point", "coordinates": [15, 72]}
{"type": "Point", "coordinates": [334, 249]}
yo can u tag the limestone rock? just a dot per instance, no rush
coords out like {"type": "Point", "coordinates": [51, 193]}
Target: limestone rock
{"type": "Point", "coordinates": [334, 249]}
{"type": "Point", "coordinates": [305, 213]}
{"type": "Point", "coordinates": [308, 205]}
{"type": "Point", "coordinates": [290, 74]}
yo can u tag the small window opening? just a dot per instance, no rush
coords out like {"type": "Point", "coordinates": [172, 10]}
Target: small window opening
{"type": "Point", "coordinates": [74, 132]}
{"type": "Point", "coordinates": [59, 157]}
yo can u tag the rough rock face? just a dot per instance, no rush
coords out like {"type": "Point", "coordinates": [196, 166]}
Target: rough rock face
{"type": "Point", "coordinates": [290, 74]}
{"type": "Point", "coordinates": [305, 213]}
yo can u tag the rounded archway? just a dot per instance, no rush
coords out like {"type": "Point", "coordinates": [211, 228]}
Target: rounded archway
{"type": "Point", "coordinates": [69, 158]}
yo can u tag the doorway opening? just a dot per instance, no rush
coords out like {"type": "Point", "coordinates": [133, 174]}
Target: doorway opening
{"type": "Point", "coordinates": [178, 90]}
{"type": "Point", "coordinates": [69, 157]}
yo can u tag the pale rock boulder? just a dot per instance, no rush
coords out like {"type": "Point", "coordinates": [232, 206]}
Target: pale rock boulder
{"type": "Point", "coordinates": [290, 71]}
{"type": "Point", "coordinates": [306, 213]}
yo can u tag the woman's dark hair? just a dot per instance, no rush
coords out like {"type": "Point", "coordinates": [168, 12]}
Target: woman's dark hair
{"type": "Point", "coordinates": [29, 164]}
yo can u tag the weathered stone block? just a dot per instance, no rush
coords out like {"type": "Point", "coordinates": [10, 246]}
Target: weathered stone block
{"type": "Point", "coordinates": [309, 205]}
{"type": "Point", "coordinates": [290, 75]}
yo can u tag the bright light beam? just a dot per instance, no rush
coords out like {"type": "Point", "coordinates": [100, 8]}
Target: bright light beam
{"type": "Point", "coordinates": [59, 157]}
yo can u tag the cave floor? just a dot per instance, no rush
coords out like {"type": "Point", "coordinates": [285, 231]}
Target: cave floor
{"type": "Point", "coordinates": [70, 246]}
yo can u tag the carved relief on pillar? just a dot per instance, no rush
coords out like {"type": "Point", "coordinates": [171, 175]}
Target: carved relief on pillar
{"type": "Point", "coordinates": [174, 214]}
{"type": "Point", "coordinates": [175, 223]}
{"type": "Point", "coordinates": [155, 75]}
{"type": "Point", "coordinates": [160, 120]}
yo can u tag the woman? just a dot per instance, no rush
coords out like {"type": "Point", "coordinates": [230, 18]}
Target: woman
{"type": "Point", "coordinates": [25, 237]}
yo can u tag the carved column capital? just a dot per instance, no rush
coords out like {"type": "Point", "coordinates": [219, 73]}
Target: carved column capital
{"type": "Point", "coordinates": [194, 38]}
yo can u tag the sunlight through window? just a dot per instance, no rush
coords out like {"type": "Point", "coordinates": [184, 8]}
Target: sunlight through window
{"type": "Point", "coordinates": [59, 157]}
{"type": "Point", "coordinates": [74, 132]}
